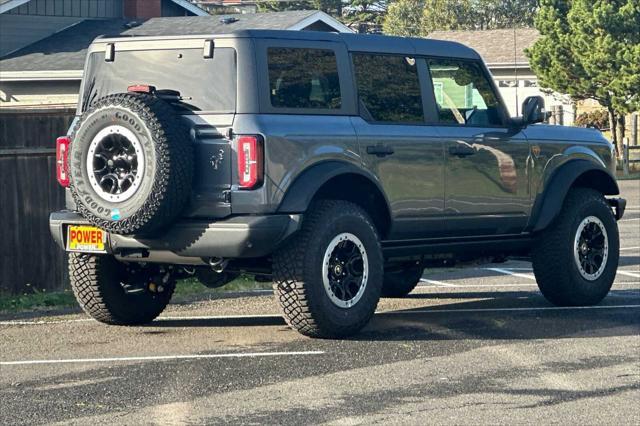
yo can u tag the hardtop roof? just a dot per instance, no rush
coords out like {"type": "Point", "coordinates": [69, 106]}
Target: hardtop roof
{"type": "Point", "coordinates": [354, 42]}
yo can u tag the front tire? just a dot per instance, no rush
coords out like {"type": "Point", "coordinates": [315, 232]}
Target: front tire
{"type": "Point", "coordinates": [328, 278]}
{"type": "Point", "coordinates": [115, 293]}
{"type": "Point", "coordinates": [575, 260]}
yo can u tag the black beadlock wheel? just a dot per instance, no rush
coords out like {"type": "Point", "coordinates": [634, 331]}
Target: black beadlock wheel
{"type": "Point", "coordinates": [576, 259]}
{"type": "Point", "coordinates": [328, 278]}
{"type": "Point", "coordinates": [130, 164]}
{"type": "Point", "coordinates": [399, 283]}
{"type": "Point", "coordinates": [116, 293]}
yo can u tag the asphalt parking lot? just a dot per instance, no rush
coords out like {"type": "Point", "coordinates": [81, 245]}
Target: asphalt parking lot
{"type": "Point", "coordinates": [469, 346]}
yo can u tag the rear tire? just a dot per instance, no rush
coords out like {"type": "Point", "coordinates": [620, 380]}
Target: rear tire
{"type": "Point", "coordinates": [115, 293]}
{"type": "Point", "coordinates": [575, 260]}
{"type": "Point", "coordinates": [328, 278]}
{"type": "Point", "coordinates": [400, 283]}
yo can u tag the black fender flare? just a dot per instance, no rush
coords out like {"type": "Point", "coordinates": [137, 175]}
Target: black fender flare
{"type": "Point", "coordinates": [300, 193]}
{"type": "Point", "coordinates": [547, 206]}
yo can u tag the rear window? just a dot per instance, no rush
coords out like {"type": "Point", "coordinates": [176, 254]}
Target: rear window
{"type": "Point", "coordinates": [388, 88]}
{"type": "Point", "coordinates": [303, 78]}
{"type": "Point", "coordinates": [205, 84]}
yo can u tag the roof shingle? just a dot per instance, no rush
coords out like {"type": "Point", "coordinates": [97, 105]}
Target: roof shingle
{"type": "Point", "coordinates": [67, 49]}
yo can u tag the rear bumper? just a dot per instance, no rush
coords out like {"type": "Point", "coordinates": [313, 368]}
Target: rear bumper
{"type": "Point", "coordinates": [194, 241]}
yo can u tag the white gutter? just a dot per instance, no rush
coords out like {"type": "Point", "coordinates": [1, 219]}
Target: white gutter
{"type": "Point", "coordinates": [191, 7]}
{"type": "Point", "coordinates": [5, 7]}
{"type": "Point", "coordinates": [65, 75]}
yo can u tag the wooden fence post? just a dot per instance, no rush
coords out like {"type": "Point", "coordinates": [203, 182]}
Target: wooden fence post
{"type": "Point", "coordinates": [625, 157]}
{"type": "Point", "coordinates": [634, 129]}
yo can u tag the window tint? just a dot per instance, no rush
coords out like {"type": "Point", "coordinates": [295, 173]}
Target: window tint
{"type": "Point", "coordinates": [463, 94]}
{"type": "Point", "coordinates": [389, 88]}
{"type": "Point", "coordinates": [214, 90]}
{"type": "Point", "coordinates": [303, 78]}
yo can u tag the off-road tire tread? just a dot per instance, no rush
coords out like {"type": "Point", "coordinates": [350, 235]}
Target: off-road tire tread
{"type": "Point", "coordinates": [557, 281]}
{"type": "Point", "coordinates": [174, 161]}
{"type": "Point", "coordinates": [401, 283]}
{"type": "Point", "coordinates": [89, 277]}
{"type": "Point", "coordinates": [288, 272]}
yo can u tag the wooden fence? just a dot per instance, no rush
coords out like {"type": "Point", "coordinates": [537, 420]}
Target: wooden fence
{"type": "Point", "coordinates": [29, 191]}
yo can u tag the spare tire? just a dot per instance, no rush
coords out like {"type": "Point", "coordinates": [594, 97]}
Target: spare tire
{"type": "Point", "coordinates": [130, 164]}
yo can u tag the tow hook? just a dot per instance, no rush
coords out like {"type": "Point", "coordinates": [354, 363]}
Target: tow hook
{"type": "Point", "coordinates": [618, 205]}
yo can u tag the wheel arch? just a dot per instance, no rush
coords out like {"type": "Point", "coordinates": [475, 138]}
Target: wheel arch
{"type": "Point", "coordinates": [341, 181]}
{"type": "Point", "coordinates": [574, 173]}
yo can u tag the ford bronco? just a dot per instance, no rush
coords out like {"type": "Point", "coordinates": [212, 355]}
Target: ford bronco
{"type": "Point", "coordinates": [337, 165]}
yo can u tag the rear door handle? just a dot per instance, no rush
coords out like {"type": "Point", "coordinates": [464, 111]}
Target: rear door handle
{"type": "Point", "coordinates": [461, 150]}
{"type": "Point", "coordinates": [380, 150]}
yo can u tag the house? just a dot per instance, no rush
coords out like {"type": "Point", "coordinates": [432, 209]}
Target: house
{"type": "Point", "coordinates": [216, 7]}
{"type": "Point", "coordinates": [503, 52]}
{"type": "Point", "coordinates": [47, 72]}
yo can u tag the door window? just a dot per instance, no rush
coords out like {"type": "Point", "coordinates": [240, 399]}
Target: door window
{"type": "Point", "coordinates": [303, 78]}
{"type": "Point", "coordinates": [463, 93]}
{"type": "Point", "coordinates": [388, 88]}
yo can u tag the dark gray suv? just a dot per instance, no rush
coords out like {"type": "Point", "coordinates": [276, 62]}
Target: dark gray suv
{"type": "Point", "coordinates": [337, 165]}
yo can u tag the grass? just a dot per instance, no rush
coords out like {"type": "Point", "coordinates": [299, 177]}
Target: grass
{"type": "Point", "coordinates": [190, 287]}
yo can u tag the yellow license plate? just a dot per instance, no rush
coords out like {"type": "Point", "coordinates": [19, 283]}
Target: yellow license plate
{"type": "Point", "coordinates": [86, 238]}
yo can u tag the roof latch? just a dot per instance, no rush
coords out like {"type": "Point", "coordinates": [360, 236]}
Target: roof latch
{"type": "Point", "coordinates": [207, 52]}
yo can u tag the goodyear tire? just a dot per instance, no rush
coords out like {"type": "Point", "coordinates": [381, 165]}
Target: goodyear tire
{"type": "Point", "coordinates": [328, 278]}
{"type": "Point", "coordinates": [115, 293]}
{"type": "Point", "coordinates": [130, 164]}
{"type": "Point", "coordinates": [399, 283]}
{"type": "Point", "coordinates": [576, 259]}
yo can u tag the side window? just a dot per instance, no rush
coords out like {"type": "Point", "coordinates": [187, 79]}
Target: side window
{"type": "Point", "coordinates": [463, 94]}
{"type": "Point", "coordinates": [303, 78]}
{"type": "Point", "coordinates": [388, 88]}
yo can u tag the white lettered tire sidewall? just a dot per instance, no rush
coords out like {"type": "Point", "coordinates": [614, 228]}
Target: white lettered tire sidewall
{"type": "Point", "coordinates": [81, 140]}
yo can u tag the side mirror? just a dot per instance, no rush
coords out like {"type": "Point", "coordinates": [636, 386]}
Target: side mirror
{"type": "Point", "coordinates": [533, 110]}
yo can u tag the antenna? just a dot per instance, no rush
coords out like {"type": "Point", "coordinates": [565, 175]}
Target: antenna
{"type": "Point", "coordinates": [515, 66]}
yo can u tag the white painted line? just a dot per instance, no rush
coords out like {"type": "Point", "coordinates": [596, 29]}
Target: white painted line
{"type": "Point", "coordinates": [629, 274]}
{"type": "Point", "coordinates": [547, 308]}
{"type": "Point", "coordinates": [629, 248]}
{"type": "Point", "coordinates": [436, 283]}
{"type": "Point", "coordinates": [160, 358]}
{"type": "Point", "coordinates": [481, 285]}
{"type": "Point", "coordinates": [44, 322]}
{"type": "Point", "coordinates": [508, 272]}
{"type": "Point", "coordinates": [629, 220]}
{"type": "Point", "coordinates": [214, 317]}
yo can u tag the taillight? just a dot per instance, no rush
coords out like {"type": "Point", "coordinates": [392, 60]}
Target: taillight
{"type": "Point", "coordinates": [250, 161]}
{"type": "Point", "coordinates": [62, 160]}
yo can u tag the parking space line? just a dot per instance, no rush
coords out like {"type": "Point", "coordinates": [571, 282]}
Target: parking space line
{"type": "Point", "coordinates": [160, 358]}
{"type": "Point", "coordinates": [540, 308]}
{"type": "Point", "coordinates": [508, 272]}
{"type": "Point", "coordinates": [629, 220]}
{"type": "Point", "coordinates": [629, 248]}
{"type": "Point", "coordinates": [436, 283]}
{"type": "Point", "coordinates": [629, 274]}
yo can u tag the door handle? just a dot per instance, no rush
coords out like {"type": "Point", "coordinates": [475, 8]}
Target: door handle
{"type": "Point", "coordinates": [461, 150]}
{"type": "Point", "coordinates": [380, 150]}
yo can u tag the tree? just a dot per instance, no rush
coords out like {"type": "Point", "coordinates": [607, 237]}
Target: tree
{"type": "Point", "coordinates": [365, 11]}
{"type": "Point", "coordinates": [590, 49]}
{"type": "Point", "coordinates": [404, 18]}
{"type": "Point", "coordinates": [332, 7]}
{"type": "Point", "coordinates": [477, 14]}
